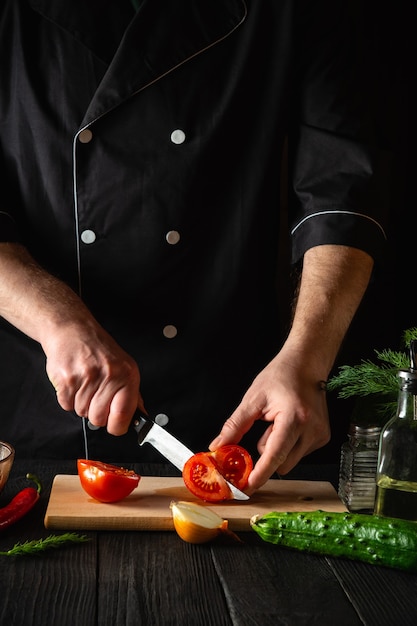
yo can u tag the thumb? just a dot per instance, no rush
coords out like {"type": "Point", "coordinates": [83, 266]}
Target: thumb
{"type": "Point", "coordinates": [241, 420]}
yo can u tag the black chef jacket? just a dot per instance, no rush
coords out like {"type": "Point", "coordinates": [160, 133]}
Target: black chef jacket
{"type": "Point", "coordinates": [140, 160]}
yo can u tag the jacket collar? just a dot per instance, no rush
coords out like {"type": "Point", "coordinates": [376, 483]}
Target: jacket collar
{"type": "Point", "coordinates": [162, 36]}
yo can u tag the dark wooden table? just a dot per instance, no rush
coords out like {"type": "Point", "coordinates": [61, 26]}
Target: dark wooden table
{"type": "Point", "coordinates": [154, 578]}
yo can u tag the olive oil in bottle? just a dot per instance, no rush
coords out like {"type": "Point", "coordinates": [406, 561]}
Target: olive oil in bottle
{"type": "Point", "coordinates": [396, 498]}
{"type": "Point", "coordinates": [396, 480]}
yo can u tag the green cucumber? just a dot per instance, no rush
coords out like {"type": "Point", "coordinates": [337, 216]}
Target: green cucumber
{"type": "Point", "coordinates": [371, 538]}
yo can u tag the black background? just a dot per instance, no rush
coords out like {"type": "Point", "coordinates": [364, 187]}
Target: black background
{"type": "Point", "coordinates": [388, 308]}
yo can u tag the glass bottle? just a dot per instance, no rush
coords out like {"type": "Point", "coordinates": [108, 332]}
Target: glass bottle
{"type": "Point", "coordinates": [396, 494]}
{"type": "Point", "coordinates": [358, 465]}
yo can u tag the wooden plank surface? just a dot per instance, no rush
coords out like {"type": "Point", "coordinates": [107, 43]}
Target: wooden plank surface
{"type": "Point", "coordinates": [155, 577]}
{"type": "Point", "coordinates": [147, 508]}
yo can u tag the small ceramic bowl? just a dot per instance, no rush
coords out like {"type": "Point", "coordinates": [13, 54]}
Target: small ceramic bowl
{"type": "Point", "coordinates": [6, 462]}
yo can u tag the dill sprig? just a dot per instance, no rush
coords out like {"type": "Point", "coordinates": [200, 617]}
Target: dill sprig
{"type": "Point", "coordinates": [375, 379]}
{"type": "Point", "coordinates": [364, 379]}
{"type": "Point", "coordinates": [40, 545]}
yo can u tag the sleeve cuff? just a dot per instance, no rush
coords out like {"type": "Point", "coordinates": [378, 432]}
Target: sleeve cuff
{"type": "Point", "coordinates": [338, 227]}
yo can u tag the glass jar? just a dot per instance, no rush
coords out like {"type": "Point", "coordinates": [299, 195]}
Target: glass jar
{"type": "Point", "coordinates": [358, 467]}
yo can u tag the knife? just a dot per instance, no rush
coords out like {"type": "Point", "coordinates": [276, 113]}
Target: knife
{"type": "Point", "coordinates": [171, 448]}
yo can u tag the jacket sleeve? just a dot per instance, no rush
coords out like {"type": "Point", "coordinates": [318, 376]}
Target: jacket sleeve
{"type": "Point", "coordinates": [339, 173]}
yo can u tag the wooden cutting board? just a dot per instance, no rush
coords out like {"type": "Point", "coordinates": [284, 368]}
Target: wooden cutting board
{"type": "Point", "coordinates": [147, 508]}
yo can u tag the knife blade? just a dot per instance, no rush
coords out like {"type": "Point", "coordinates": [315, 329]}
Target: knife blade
{"type": "Point", "coordinates": [170, 447]}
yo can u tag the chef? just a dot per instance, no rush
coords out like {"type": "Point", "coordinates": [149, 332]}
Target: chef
{"type": "Point", "coordinates": [144, 231]}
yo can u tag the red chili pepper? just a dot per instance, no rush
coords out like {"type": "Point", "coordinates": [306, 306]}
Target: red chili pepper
{"type": "Point", "coordinates": [21, 504]}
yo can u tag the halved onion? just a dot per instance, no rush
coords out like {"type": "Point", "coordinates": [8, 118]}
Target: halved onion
{"type": "Point", "coordinates": [195, 523]}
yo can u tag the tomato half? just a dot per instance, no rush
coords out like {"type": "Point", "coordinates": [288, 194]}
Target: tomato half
{"type": "Point", "coordinates": [105, 482]}
{"type": "Point", "coordinates": [204, 480]}
{"type": "Point", "coordinates": [205, 473]}
{"type": "Point", "coordinates": [235, 464]}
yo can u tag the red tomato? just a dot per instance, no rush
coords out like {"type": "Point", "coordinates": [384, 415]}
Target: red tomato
{"type": "Point", "coordinates": [235, 464]}
{"type": "Point", "coordinates": [105, 482]}
{"type": "Point", "coordinates": [205, 473]}
{"type": "Point", "coordinates": [204, 480]}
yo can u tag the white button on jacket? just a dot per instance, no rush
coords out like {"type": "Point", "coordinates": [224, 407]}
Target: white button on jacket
{"type": "Point", "coordinates": [178, 136]}
{"type": "Point", "coordinates": [172, 237]}
{"type": "Point", "coordinates": [88, 236]}
{"type": "Point", "coordinates": [85, 136]}
{"type": "Point", "coordinates": [170, 331]}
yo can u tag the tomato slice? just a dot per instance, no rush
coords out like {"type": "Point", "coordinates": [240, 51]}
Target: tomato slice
{"type": "Point", "coordinates": [105, 482]}
{"type": "Point", "coordinates": [204, 480]}
{"type": "Point", "coordinates": [205, 473]}
{"type": "Point", "coordinates": [235, 464]}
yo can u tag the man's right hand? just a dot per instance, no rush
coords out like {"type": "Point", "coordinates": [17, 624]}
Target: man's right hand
{"type": "Point", "coordinates": [93, 376]}
{"type": "Point", "coordinates": [90, 372]}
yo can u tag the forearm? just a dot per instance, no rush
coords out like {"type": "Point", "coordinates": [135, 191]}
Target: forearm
{"type": "Point", "coordinates": [33, 300]}
{"type": "Point", "coordinates": [286, 393]}
{"type": "Point", "coordinates": [91, 374]}
{"type": "Point", "coordinates": [333, 282]}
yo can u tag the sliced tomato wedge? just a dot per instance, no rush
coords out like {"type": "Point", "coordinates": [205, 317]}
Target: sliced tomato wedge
{"type": "Point", "coordinates": [204, 480]}
{"type": "Point", "coordinates": [105, 482]}
{"type": "Point", "coordinates": [205, 473]}
{"type": "Point", "coordinates": [235, 464]}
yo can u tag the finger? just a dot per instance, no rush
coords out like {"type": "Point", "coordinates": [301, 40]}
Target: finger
{"type": "Point", "coordinates": [89, 403]}
{"type": "Point", "coordinates": [280, 451]}
{"type": "Point", "coordinates": [73, 391]}
{"type": "Point", "coordinates": [65, 395]}
{"type": "Point", "coordinates": [263, 470]}
{"type": "Point", "coordinates": [267, 465]}
{"type": "Point", "coordinates": [239, 423]}
{"type": "Point", "coordinates": [113, 410]}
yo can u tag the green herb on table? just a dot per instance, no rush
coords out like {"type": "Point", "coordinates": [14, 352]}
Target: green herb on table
{"type": "Point", "coordinates": [40, 545]}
